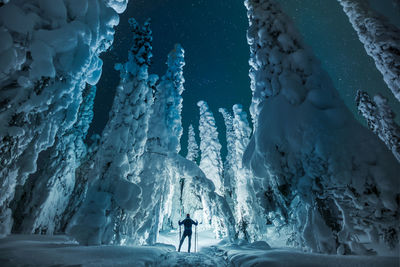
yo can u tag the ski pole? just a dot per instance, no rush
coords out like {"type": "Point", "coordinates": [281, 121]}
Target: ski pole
{"type": "Point", "coordinates": [195, 238]}
{"type": "Point", "coordinates": [179, 241]}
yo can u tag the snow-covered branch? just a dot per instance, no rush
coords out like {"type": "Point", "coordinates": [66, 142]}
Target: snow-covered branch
{"type": "Point", "coordinates": [381, 40]}
{"type": "Point", "coordinates": [380, 119]}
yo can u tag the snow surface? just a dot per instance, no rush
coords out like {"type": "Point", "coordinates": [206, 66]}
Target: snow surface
{"type": "Point", "coordinates": [33, 250]}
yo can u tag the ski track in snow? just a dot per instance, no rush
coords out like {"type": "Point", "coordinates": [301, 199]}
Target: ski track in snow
{"type": "Point", "coordinates": [191, 259]}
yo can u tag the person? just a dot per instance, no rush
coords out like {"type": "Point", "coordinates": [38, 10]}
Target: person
{"type": "Point", "coordinates": [188, 222]}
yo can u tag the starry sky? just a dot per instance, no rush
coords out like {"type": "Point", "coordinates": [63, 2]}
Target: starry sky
{"type": "Point", "coordinates": [213, 34]}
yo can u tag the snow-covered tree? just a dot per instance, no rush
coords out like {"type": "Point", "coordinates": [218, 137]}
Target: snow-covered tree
{"type": "Point", "coordinates": [214, 207]}
{"type": "Point", "coordinates": [229, 163]}
{"type": "Point", "coordinates": [78, 194]}
{"type": "Point", "coordinates": [211, 162]}
{"type": "Point", "coordinates": [49, 51]}
{"type": "Point", "coordinates": [381, 40]}
{"type": "Point", "coordinates": [113, 196]}
{"type": "Point", "coordinates": [193, 147]}
{"type": "Point", "coordinates": [55, 179]}
{"type": "Point", "coordinates": [159, 175]}
{"type": "Point", "coordinates": [380, 119]}
{"type": "Point", "coordinates": [239, 189]}
{"type": "Point", "coordinates": [326, 182]}
{"type": "Point", "coordinates": [174, 88]}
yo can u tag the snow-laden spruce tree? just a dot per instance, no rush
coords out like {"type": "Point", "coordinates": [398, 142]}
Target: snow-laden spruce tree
{"type": "Point", "coordinates": [40, 203]}
{"type": "Point", "coordinates": [381, 40]}
{"type": "Point", "coordinates": [210, 148]}
{"type": "Point", "coordinates": [159, 175]}
{"type": "Point", "coordinates": [229, 164]}
{"type": "Point", "coordinates": [239, 187]}
{"type": "Point", "coordinates": [114, 197]}
{"type": "Point", "coordinates": [49, 51]}
{"type": "Point", "coordinates": [326, 182]}
{"type": "Point", "coordinates": [380, 119]}
{"type": "Point", "coordinates": [193, 147]}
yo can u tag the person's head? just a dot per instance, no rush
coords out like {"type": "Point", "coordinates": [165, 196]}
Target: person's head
{"type": "Point", "coordinates": [188, 215]}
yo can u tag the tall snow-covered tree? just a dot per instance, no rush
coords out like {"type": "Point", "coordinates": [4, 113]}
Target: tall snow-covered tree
{"type": "Point", "coordinates": [250, 218]}
{"type": "Point", "coordinates": [78, 194]}
{"type": "Point", "coordinates": [114, 197]}
{"type": "Point", "coordinates": [229, 163]}
{"type": "Point", "coordinates": [239, 188]}
{"type": "Point", "coordinates": [46, 60]}
{"type": "Point", "coordinates": [381, 40]}
{"type": "Point", "coordinates": [380, 119]}
{"type": "Point", "coordinates": [322, 187]}
{"type": "Point", "coordinates": [193, 147]}
{"type": "Point", "coordinates": [175, 89]}
{"type": "Point", "coordinates": [165, 131]}
{"type": "Point", "coordinates": [210, 147]}
{"type": "Point", "coordinates": [55, 180]}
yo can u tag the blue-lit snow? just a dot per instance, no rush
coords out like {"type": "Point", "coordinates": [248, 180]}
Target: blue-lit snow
{"type": "Point", "coordinates": [46, 251]}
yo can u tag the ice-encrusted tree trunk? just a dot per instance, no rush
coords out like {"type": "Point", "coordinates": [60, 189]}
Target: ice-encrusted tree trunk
{"type": "Point", "coordinates": [113, 196]}
{"type": "Point", "coordinates": [229, 164]}
{"type": "Point", "coordinates": [49, 51]}
{"type": "Point", "coordinates": [380, 119]}
{"type": "Point", "coordinates": [210, 148]}
{"type": "Point", "coordinates": [251, 221]}
{"type": "Point", "coordinates": [193, 147]}
{"type": "Point", "coordinates": [239, 187]}
{"type": "Point", "coordinates": [78, 193]}
{"type": "Point", "coordinates": [325, 181]}
{"type": "Point", "coordinates": [40, 203]}
{"type": "Point", "coordinates": [380, 38]}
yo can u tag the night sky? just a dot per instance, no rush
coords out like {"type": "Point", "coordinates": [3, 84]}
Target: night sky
{"type": "Point", "coordinates": [213, 34]}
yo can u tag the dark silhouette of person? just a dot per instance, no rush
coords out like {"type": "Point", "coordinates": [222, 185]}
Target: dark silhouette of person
{"type": "Point", "coordinates": [187, 232]}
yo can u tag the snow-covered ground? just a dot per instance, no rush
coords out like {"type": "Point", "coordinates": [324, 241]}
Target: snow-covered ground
{"type": "Point", "coordinates": [206, 238]}
{"type": "Point", "coordinates": [35, 250]}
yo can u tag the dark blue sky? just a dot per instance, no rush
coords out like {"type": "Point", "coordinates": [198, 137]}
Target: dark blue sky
{"type": "Point", "coordinates": [213, 34]}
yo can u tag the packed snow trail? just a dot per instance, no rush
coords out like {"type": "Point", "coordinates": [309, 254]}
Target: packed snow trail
{"type": "Point", "coordinates": [59, 250]}
{"type": "Point", "coordinates": [181, 259]}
